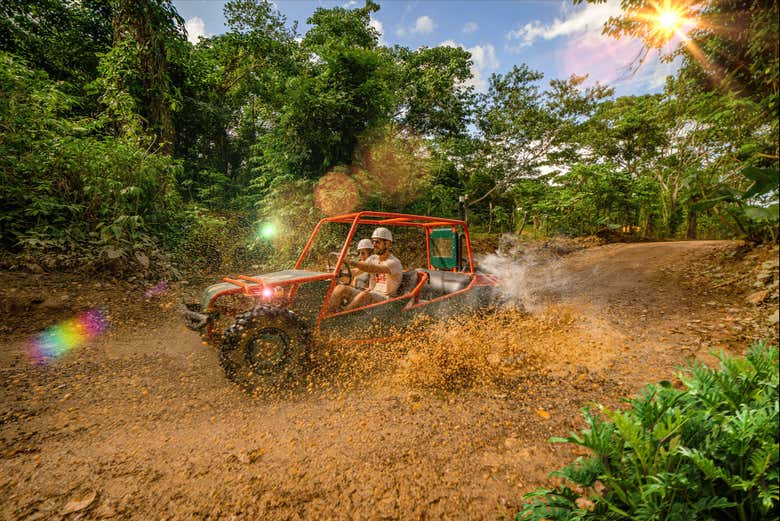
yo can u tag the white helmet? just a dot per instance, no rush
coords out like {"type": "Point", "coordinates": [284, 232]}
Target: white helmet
{"type": "Point", "coordinates": [382, 233]}
{"type": "Point", "coordinates": [364, 244]}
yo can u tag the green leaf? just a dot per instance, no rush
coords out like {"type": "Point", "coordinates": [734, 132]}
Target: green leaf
{"type": "Point", "coordinates": [770, 214]}
{"type": "Point", "coordinates": [765, 181]}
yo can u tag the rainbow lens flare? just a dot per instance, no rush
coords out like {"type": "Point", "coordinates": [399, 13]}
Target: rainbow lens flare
{"type": "Point", "coordinates": [58, 340]}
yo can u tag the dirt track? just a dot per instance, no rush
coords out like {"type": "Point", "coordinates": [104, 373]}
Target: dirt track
{"type": "Point", "coordinates": [141, 423]}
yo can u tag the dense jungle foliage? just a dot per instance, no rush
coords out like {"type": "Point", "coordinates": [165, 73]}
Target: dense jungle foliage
{"type": "Point", "coordinates": [122, 144]}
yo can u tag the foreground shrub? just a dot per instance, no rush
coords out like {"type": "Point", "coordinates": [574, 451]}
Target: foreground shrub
{"type": "Point", "coordinates": [709, 451]}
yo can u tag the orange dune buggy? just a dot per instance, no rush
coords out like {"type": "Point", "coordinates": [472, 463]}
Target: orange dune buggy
{"type": "Point", "coordinates": [263, 324]}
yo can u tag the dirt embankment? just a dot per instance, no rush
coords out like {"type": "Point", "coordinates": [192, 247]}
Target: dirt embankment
{"type": "Point", "coordinates": [139, 423]}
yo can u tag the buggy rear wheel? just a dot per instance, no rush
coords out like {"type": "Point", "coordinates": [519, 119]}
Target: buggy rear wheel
{"type": "Point", "coordinates": [265, 346]}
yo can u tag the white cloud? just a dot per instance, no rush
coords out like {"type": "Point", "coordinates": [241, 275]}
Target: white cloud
{"type": "Point", "coordinates": [589, 20]}
{"type": "Point", "coordinates": [483, 59]}
{"type": "Point", "coordinates": [610, 61]}
{"type": "Point", "coordinates": [377, 26]}
{"type": "Point", "coordinates": [196, 29]}
{"type": "Point", "coordinates": [350, 4]}
{"type": "Point", "coordinates": [484, 56]}
{"type": "Point", "coordinates": [423, 25]}
{"type": "Point", "coordinates": [470, 27]}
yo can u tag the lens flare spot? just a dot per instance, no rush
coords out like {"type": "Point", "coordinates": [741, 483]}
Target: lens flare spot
{"type": "Point", "coordinates": [267, 231]}
{"type": "Point", "coordinates": [267, 293]}
{"type": "Point", "coordinates": [396, 166]}
{"type": "Point", "coordinates": [158, 289]}
{"type": "Point", "coordinates": [667, 22]}
{"type": "Point", "coordinates": [336, 193]}
{"type": "Point", "coordinates": [60, 339]}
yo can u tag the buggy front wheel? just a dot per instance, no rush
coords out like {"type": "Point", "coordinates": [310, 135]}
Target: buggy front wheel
{"type": "Point", "coordinates": [265, 346]}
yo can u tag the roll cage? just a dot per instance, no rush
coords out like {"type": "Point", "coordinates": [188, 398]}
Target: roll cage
{"type": "Point", "coordinates": [428, 224]}
{"type": "Point", "coordinates": [392, 219]}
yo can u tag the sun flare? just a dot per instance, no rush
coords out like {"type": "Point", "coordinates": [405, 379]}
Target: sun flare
{"type": "Point", "coordinates": [669, 20]}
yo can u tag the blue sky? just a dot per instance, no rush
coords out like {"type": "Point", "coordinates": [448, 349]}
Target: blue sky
{"type": "Point", "coordinates": [554, 37]}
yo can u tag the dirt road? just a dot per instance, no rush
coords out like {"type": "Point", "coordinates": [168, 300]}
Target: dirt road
{"type": "Point", "coordinates": [141, 424]}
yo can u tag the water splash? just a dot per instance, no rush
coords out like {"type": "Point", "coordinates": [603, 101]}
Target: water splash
{"type": "Point", "coordinates": [527, 272]}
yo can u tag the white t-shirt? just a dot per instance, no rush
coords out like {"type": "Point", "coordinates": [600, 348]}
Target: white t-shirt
{"type": "Point", "coordinates": [386, 283]}
{"type": "Point", "coordinates": [362, 280]}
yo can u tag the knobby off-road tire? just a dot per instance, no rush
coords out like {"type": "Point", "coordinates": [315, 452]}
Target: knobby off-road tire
{"type": "Point", "coordinates": [267, 346]}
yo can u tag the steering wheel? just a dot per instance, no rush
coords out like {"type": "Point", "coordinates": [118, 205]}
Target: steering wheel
{"type": "Point", "coordinates": [331, 260]}
{"type": "Point", "coordinates": [344, 276]}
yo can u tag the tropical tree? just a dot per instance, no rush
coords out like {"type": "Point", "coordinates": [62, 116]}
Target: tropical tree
{"type": "Point", "coordinates": [729, 49]}
{"type": "Point", "coordinates": [231, 90]}
{"type": "Point", "coordinates": [432, 98]}
{"type": "Point", "coordinates": [729, 45]}
{"type": "Point", "coordinates": [74, 198]}
{"type": "Point", "coordinates": [62, 38]}
{"type": "Point", "coordinates": [524, 131]}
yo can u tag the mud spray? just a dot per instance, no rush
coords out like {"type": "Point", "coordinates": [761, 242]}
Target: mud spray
{"type": "Point", "coordinates": [536, 333]}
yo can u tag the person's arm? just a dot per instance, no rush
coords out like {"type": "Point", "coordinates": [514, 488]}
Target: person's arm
{"type": "Point", "coordinates": [370, 267]}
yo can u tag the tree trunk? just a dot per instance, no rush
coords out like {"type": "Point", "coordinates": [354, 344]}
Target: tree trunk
{"type": "Point", "coordinates": [143, 23]}
{"type": "Point", "coordinates": [692, 217]}
{"type": "Point", "coordinates": [522, 224]}
{"type": "Point", "coordinates": [691, 233]}
{"type": "Point", "coordinates": [671, 226]}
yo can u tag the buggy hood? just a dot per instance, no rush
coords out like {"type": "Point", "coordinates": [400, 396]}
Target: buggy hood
{"type": "Point", "coordinates": [247, 283]}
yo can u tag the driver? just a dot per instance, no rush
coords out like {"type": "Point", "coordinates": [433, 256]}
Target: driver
{"type": "Point", "coordinates": [385, 275]}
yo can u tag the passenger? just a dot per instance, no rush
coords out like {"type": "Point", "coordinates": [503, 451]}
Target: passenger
{"type": "Point", "coordinates": [385, 275]}
{"type": "Point", "coordinates": [361, 279]}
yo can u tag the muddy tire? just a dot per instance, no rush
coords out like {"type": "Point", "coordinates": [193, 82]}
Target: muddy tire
{"type": "Point", "coordinates": [267, 346]}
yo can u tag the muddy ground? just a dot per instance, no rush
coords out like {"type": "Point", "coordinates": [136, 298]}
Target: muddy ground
{"type": "Point", "coordinates": [140, 423]}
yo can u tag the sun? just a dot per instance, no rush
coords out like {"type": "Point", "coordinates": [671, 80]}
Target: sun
{"type": "Point", "coordinates": [670, 20]}
{"type": "Point", "coordinates": [666, 20]}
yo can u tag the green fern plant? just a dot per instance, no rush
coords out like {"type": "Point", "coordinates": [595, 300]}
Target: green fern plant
{"type": "Point", "coordinates": [706, 452]}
